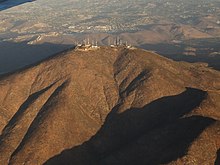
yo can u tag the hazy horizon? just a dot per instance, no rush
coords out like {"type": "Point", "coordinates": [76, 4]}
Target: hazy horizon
{"type": "Point", "coordinates": [143, 23]}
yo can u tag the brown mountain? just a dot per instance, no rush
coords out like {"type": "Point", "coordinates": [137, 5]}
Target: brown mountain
{"type": "Point", "coordinates": [110, 106]}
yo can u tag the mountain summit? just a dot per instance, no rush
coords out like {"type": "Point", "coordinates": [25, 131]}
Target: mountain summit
{"type": "Point", "coordinates": [110, 106]}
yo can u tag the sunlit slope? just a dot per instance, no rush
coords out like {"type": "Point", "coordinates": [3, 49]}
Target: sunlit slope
{"type": "Point", "coordinates": [110, 106]}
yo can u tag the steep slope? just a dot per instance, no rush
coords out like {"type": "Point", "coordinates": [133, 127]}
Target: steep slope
{"type": "Point", "coordinates": [110, 106]}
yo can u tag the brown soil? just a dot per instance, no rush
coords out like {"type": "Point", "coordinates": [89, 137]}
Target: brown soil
{"type": "Point", "coordinates": [110, 106]}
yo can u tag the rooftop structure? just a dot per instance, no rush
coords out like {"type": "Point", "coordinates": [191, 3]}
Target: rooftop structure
{"type": "Point", "coordinates": [86, 45]}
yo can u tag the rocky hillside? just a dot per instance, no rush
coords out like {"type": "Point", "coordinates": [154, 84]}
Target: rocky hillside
{"type": "Point", "coordinates": [110, 106]}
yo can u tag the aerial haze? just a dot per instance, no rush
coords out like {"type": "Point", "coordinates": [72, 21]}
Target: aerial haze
{"type": "Point", "coordinates": [100, 82]}
{"type": "Point", "coordinates": [179, 26]}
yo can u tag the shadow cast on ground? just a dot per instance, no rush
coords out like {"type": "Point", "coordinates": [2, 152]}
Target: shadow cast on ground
{"type": "Point", "coordinates": [43, 111]}
{"type": "Point", "coordinates": [154, 134]}
{"type": "Point", "coordinates": [217, 161]}
{"type": "Point", "coordinates": [21, 111]}
{"type": "Point", "coordinates": [6, 4]}
{"type": "Point", "coordinates": [177, 52]}
{"type": "Point", "coordinates": [19, 56]}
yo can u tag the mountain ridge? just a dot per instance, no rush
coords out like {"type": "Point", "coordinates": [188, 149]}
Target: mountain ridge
{"type": "Point", "coordinates": [88, 101]}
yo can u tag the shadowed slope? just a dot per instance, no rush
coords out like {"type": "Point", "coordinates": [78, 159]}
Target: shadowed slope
{"type": "Point", "coordinates": [6, 4]}
{"type": "Point", "coordinates": [139, 135]}
{"type": "Point", "coordinates": [26, 55]}
{"type": "Point", "coordinates": [23, 120]}
{"type": "Point", "coordinates": [119, 106]}
{"type": "Point", "coordinates": [22, 110]}
{"type": "Point", "coordinates": [38, 118]}
{"type": "Point", "coordinates": [217, 162]}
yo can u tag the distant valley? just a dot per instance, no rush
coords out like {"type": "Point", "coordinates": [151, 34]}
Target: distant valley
{"type": "Point", "coordinates": [188, 31]}
{"type": "Point", "coordinates": [100, 82]}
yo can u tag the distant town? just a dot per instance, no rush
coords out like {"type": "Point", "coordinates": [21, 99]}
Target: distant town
{"type": "Point", "coordinates": [93, 16]}
{"type": "Point", "coordinates": [181, 30]}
